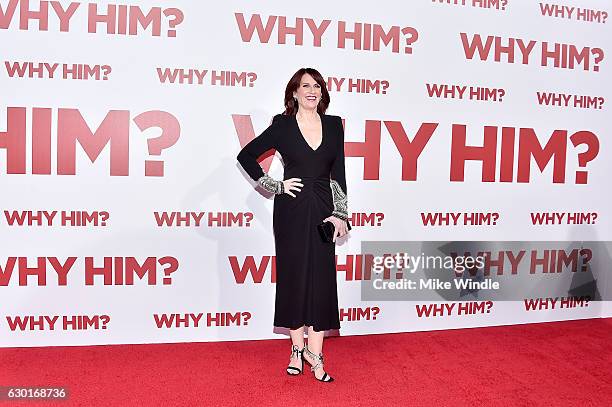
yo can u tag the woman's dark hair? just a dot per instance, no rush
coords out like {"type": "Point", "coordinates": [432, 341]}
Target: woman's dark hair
{"type": "Point", "coordinates": [291, 106]}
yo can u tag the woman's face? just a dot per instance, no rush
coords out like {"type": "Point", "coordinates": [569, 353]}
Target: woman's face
{"type": "Point", "coordinates": [308, 93]}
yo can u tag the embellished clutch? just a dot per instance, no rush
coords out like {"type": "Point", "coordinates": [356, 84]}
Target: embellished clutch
{"type": "Point", "coordinates": [327, 229]}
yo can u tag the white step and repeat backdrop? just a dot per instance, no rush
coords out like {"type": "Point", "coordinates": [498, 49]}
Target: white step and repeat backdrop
{"type": "Point", "coordinates": [126, 218]}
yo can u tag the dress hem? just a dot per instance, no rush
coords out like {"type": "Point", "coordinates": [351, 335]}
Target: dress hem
{"type": "Point", "coordinates": [316, 328]}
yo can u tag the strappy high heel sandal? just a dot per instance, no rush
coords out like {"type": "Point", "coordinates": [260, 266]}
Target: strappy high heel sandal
{"type": "Point", "coordinates": [319, 363]}
{"type": "Point", "coordinates": [296, 353]}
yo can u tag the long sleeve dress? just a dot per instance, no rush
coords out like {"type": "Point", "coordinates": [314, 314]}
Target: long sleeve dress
{"type": "Point", "coordinates": [306, 290]}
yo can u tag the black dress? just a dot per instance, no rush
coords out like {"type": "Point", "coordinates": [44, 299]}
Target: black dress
{"type": "Point", "coordinates": [306, 290]}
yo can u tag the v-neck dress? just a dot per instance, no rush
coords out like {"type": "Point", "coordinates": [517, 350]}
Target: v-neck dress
{"type": "Point", "coordinates": [306, 289]}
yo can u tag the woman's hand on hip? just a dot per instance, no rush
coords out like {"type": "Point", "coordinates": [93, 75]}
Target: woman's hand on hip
{"type": "Point", "coordinates": [340, 228]}
{"type": "Point", "coordinates": [292, 184]}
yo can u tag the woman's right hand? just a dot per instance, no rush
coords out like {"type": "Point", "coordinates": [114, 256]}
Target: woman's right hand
{"type": "Point", "coordinates": [292, 184]}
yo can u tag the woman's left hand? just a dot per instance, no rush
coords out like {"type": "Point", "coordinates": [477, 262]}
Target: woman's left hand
{"type": "Point", "coordinates": [340, 228]}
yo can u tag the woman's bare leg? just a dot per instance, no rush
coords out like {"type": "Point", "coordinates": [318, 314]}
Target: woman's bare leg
{"type": "Point", "coordinates": [315, 345]}
{"type": "Point", "coordinates": [297, 338]}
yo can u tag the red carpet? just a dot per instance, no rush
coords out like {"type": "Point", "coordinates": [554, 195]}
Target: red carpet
{"type": "Point", "coordinates": [551, 364]}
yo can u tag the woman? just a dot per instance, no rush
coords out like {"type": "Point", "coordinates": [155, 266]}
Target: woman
{"type": "Point", "coordinates": [313, 190]}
